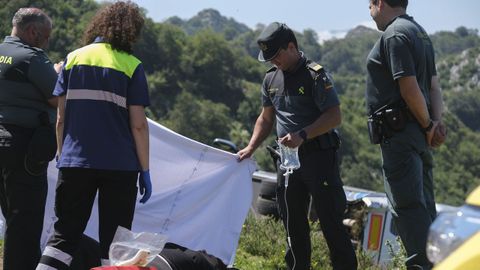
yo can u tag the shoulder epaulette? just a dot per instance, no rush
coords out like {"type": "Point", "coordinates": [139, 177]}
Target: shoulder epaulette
{"type": "Point", "coordinates": [315, 67]}
{"type": "Point", "coordinates": [319, 73]}
{"type": "Point", "coordinates": [272, 68]}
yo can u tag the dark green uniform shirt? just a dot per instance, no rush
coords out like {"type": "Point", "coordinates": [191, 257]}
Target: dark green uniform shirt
{"type": "Point", "coordinates": [404, 49]}
{"type": "Point", "coordinates": [27, 80]}
{"type": "Point", "coordinates": [298, 97]}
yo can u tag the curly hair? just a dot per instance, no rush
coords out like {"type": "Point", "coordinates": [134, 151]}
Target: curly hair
{"type": "Point", "coordinates": [118, 24]}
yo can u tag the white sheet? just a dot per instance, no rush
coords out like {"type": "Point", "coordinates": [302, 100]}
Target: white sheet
{"type": "Point", "coordinates": [200, 199]}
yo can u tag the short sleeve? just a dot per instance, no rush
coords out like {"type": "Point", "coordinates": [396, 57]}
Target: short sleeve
{"type": "Point", "coordinates": [399, 58]}
{"type": "Point", "coordinates": [266, 101]}
{"type": "Point", "coordinates": [324, 94]}
{"type": "Point", "coordinates": [42, 74]}
{"type": "Point", "coordinates": [137, 92]}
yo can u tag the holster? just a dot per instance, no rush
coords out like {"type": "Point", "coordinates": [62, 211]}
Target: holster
{"type": "Point", "coordinates": [325, 141]}
{"type": "Point", "coordinates": [384, 123]}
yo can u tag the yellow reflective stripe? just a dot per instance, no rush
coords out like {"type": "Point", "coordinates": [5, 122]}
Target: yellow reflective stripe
{"type": "Point", "coordinates": [102, 55]}
{"type": "Point", "coordinates": [87, 94]}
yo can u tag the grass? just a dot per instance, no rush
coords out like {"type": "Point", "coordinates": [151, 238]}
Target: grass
{"type": "Point", "coordinates": [262, 246]}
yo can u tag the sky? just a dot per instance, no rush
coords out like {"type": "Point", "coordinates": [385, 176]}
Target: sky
{"type": "Point", "coordinates": [326, 17]}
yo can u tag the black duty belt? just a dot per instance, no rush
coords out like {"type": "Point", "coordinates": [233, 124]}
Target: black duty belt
{"type": "Point", "coordinates": [329, 140]}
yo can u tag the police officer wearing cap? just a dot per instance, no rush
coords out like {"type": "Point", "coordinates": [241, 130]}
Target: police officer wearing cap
{"type": "Point", "coordinates": [27, 141]}
{"type": "Point", "coordinates": [300, 96]}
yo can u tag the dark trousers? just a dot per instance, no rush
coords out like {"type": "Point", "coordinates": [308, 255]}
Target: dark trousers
{"type": "Point", "coordinates": [75, 195]}
{"type": "Point", "coordinates": [318, 175]}
{"type": "Point", "coordinates": [22, 198]}
{"type": "Point", "coordinates": [407, 167]}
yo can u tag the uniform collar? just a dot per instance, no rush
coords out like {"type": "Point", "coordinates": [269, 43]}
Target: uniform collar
{"type": "Point", "coordinates": [300, 63]}
{"type": "Point", "coordinates": [99, 40]}
{"type": "Point", "coordinates": [13, 39]}
{"type": "Point", "coordinates": [403, 16]}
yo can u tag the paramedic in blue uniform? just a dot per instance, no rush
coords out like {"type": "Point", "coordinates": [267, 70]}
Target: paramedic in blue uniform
{"type": "Point", "coordinates": [27, 79]}
{"type": "Point", "coordinates": [403, 94]}
{"type": "Point", "coordinates": [299, 95]}
{"type": "Point", "coordinates": [102, 134]}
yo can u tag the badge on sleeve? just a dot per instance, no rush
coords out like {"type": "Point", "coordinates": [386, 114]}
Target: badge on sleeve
{"type": "Point", "coordinates": [327, 83]}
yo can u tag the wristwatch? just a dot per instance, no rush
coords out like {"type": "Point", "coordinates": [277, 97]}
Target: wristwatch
{"type": "Point", "coordinates": [429, 127]}
{"type": "Point", "coordinates": [303, 134]}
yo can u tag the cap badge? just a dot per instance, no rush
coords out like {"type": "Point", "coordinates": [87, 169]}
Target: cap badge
{"type": "Point", "coordinates": [263, 46]}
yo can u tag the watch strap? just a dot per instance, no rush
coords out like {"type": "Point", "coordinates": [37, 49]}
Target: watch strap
{"type": "Point", "coordinates": [429, 127]}
{"type": "Point", "coordinates": [303, 134]}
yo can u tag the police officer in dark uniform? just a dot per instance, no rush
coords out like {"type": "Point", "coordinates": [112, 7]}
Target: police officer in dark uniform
{"type": "Point", "coordinates": [405, 117]}
{"type": "Point", "coordinates": [27, 79]}
{"type": "Point", "coordinates": [299, 94]}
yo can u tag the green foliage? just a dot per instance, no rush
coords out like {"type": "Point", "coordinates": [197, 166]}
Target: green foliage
{"type": "Point", "coordinates": [398, 257]}
{"type": "Point", "coordinates": [69, 18]}
{"type": "Point", "coordinates": [163, 92]}
{"type": "Point", "coordinates": [361, 161]}
{"type": "Point", "coordinates": [460, 79]}
{"type": "Point", "coordinates": [262, 245]}
{"type": "Point", "coordinates": [248, 42]}
{"type": "Point", "coordinates": [457, 163]}
{"type": "Point", "coordinates": [198, 119]}
{"type": "Point", "coordinates": [348, 56]}
{"type": "Point", "coordinates": [211, 69]}
{"type": "Point", "coordinates": [251, 105]}
{"type": "Point", "coordinates": [308, 43]}
{"type": "Point", "coordinates": [213, 20]}
{"type": "Point", "coordinates": [447, 43]}
{"type": "Point", "coordinates": [160, 47]}
{"type": "Point", "coordinates": [465, 105]}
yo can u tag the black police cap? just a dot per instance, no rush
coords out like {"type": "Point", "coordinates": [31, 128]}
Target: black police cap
{"type": "Point", "coordinates": [272, 38]}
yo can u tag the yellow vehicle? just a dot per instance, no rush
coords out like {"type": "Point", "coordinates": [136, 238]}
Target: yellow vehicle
{"type": "Point", "coordinates": [454, 238]}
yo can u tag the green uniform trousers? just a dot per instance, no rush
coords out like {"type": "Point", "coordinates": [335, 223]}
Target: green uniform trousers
{"type": "Point", "coordinates": [407, 169]}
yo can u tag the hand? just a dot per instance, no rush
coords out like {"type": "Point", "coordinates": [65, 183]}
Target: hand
{"type": "Point", "coordinates": [145, 185]}
{"type": "Point", "coordinates": [58, 66]}
{"type": "Point", "coordinates": [291, 140]}
{"type": "Point", "coordinates": [439, 135]}
{"type": "Point", "coordinates": [429, 134]}
{"type": "Point", "coordinates": [245, 153]}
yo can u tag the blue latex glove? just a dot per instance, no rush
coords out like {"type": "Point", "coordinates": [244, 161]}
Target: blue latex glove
{"type": "Point", "coordinates": [145, 185]}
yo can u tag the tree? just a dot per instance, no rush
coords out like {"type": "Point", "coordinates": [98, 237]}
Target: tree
{"type": "Point", "coordinates": [198, 119]}
{"type": "Point", "coordinates": [250, 106]}
{"type": "Point", "coordinates": [465, 105]}
{"type": "Point", "coordinates": [211, 70]}
{"type": "Point", "coordinates": [69, 20]}
{"type": "Point", "coordinates": [161, 47]}
{"type": "Point", "coordinates": [308, 43]}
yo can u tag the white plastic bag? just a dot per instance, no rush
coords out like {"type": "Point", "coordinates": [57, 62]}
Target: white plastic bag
{"type": "Point", "coordinates": [135, 249]}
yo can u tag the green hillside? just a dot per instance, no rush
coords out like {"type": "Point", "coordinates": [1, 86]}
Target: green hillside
{"type": "Point", "coordinates": [205, 80]}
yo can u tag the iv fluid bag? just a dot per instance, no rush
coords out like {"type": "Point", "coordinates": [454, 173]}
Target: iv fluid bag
{"type": "Point", "coordinates": [289, 157]}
